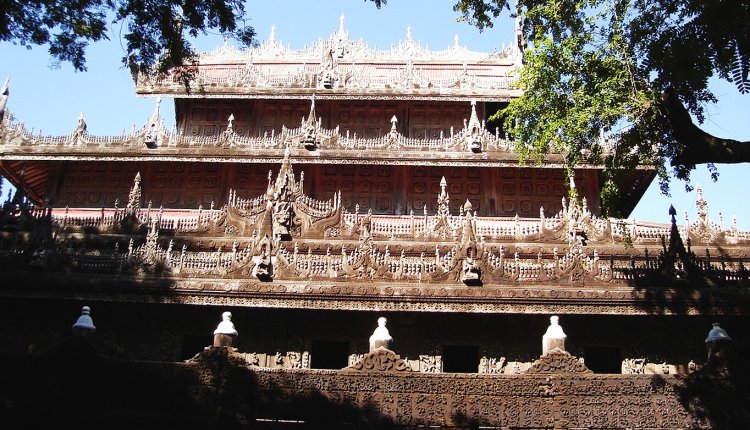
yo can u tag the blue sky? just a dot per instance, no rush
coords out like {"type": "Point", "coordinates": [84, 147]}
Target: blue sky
{"type": "Point", "coordinates": [50, 99]}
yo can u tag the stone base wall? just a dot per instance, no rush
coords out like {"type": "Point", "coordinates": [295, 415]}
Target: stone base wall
{"type": "Point", "coordinates": [218, 389]}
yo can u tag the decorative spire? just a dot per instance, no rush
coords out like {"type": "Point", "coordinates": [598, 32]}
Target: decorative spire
{"type": "Point", "coordinates": [81, 126]}
{"type": "Point", "coordinates": [151, 136]}
{"type": "Point", "coordinates": [310, 128]}
{"type": "Point", "coordinates": [272, 36]}
{"type": "Point", "coordinates": [701, 204]}
{"type": "Point", "coordinates": [394, 120]}
{"type": "Point", "coordinates": [341, 25]}
{"type": "Point", "coordinates": [455, 42]}
{"type": "Point", "coordinates": [230, 120]}
{"type": "Point", "coordinates": [474, 130]}
{"type": "Point", "coordinates": [134, 197]}
{"type": "Point", "coordinates": [443, 208]}
{"type": "Point", "coordinates": [474, 120]}
{"type": "Point", "coordinates": [155, 116]}
{"type": "Point", "coordinates": [408, 34]}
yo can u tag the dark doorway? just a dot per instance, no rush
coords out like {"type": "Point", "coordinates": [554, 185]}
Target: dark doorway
{"type": "Point", "coordinates": [603, 359]}
{"type": "Point", "coordinates": [460, 358]}
{"type": "Point", "coordinates": [194, 344]}
{"type": "Point", "coordinates": [329, 354]}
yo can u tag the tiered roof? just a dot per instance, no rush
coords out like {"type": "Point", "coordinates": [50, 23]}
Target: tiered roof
{"type": "Point", "coordinates": [344, 68]}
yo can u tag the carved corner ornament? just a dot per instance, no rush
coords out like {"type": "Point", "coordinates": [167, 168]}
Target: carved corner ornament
{"type": "Point", "coordinates": [558, 361]}
{"type": "Point", "coordinates": [380, 360]}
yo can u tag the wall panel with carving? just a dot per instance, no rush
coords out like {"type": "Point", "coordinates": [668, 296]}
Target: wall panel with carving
{"type": "Point", "coordinates": [393, 190]}
{"type": "Point", "coordinates": [94, 184]}
{"type": "Point", "coordinates": [363, 118]}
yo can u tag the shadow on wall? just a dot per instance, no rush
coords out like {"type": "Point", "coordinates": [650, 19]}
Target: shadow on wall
{"type": "Point", "coordinates": [718, 394]}
{"type": "Point", "coordinates": [73, 386]}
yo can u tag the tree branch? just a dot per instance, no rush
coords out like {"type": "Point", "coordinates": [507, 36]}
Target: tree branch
{"type": "Point", "coordinates": [697, 146]}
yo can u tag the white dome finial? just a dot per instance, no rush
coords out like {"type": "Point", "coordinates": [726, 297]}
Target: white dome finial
{"type": "Point", "coordinates": [380, 337]}
{"type": "Point", "coordinates": [554, 337]}
{"type": "Point", "coordinates": [225, 333]}
{"type": "Point", "coordinates": [84, 325]}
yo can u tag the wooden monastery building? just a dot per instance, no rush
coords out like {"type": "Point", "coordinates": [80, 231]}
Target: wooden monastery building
{"type": "Point", "coordinates": [311, 192]}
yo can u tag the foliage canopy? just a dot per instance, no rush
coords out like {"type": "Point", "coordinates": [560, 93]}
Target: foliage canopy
{"type": "Point", "coordinates": [156, 32]}
{"type": "Point", "coordinates": [634, 69]}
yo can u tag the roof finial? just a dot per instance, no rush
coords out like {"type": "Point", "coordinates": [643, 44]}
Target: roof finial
{"type": "Point", "coordinates": [455, 41]}
{"type": "Point", "coordinates": [81, 126]}
{"type": "Point", "coordinates": [155, 116]}
{"type": "Point", "coordinates": [341, 24]}
{"type": "Point", "coordinates": [230, 121]}
{"type": "Point", "coordinates": [272, 36]}
{"type": "Point", "coordinates": [408, 33]}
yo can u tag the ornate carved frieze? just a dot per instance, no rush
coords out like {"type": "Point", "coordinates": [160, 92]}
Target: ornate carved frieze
{"type": "Point", "coordinates": [558, 361]}
{"type": "Point", "coordinates": [285, 235]}
{"type": "Point", "coordinates": [310, 134]}
{"type": "Point", "coordinates": [380, 360]}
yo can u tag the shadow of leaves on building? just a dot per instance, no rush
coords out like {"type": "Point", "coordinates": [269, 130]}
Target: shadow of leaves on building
{"type": "Point", "coordinates": [718, 394]}
{"type": "Point", "coordinates": [681, 282]}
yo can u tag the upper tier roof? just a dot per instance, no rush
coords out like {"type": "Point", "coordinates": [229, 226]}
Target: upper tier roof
{"type": "Point", "coordinates": [341, 68]}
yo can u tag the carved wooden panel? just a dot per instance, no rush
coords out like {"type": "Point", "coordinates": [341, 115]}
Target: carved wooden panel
{"type": "Point", "coordinates": [273, 114]}
{"type": "Point", "coordinates": [370, 187]}
{"type": "Point", "coordinates": [394, 190]}
{"type": "Point", "coordinates": [90, 184]}
{"type": "Point", "coordinates": [183, 185]}
{"type": "Point", "coordinates": [428, 120]}
{"type": "Point", "coordinates": [203, 118]}
{"type": "Point", "coordinates": [365, 118]}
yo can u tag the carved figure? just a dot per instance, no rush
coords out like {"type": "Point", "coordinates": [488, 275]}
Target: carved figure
{"type": "Point", "coordinates": [431, 363]}
{"type": "Point", "coordinates": [263, 269]}
{"type": "Point", "coordinates": [634, 366]}
{"type": "Point", "coordinates": [295, 359]}
{"type": "Point", "coordinates": [282, 220]}
{"type": "Point", "coordinates": [471, 272]}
